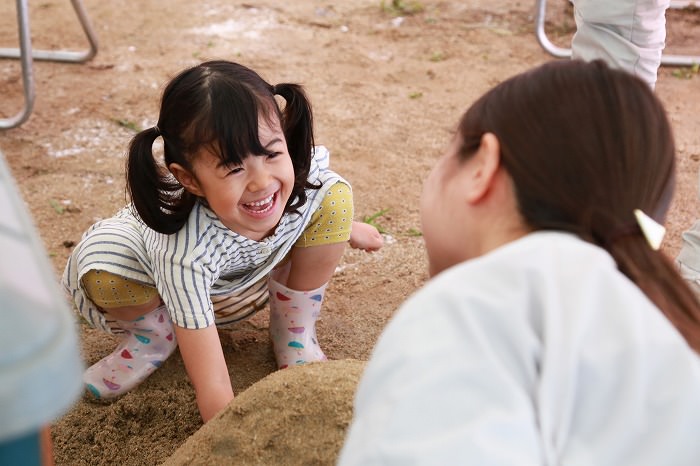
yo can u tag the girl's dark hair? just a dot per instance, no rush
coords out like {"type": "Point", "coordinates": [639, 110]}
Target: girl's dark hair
{"type": "Point", "coordinates": [585, 146]}
{"type": "Point", "coordinates": [214, 105]}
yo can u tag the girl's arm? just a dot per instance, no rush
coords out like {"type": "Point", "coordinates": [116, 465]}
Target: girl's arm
{"type": "Point", "coordinates": [205, 364]}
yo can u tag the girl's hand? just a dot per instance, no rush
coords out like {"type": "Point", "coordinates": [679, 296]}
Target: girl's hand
{"type": "Point", "coordinates": [366, 237]}
{"type": "Point", "coordinates": [205, 364]}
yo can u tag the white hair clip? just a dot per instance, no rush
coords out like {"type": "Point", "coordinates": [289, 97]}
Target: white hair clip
{"type": "Point", "coordinates": [651, 229]}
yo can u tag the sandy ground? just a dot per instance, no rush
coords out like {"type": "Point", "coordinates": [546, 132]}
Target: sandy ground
{"type": "Point", "coordinates": [387, 86]}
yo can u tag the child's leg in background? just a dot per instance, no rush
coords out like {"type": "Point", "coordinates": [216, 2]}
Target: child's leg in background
{"type": "Point", "coordinates": [688, 259]}
{"type": "Point", "coordinates": [628, 34]}
{"type": "Point", "coordinates": [298, 288]}
{"type": "Point", "coordinates": [148, 333]}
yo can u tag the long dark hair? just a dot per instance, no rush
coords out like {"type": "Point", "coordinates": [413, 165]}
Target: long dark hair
{"type": "Point", "coordinates": [585, 146]}
{"type": "Point", "coordinates": [216, 105]}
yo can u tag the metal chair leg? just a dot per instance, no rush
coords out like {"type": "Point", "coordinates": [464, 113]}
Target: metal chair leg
{"type": "Point", "coordinates": [560, 52]}
{"type": "Point", "coordinates": [27, 55]}
{"type": "Point", "coordinates": [540, 16]}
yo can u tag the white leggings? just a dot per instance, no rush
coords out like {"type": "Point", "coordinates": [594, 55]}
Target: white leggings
{"type": "Point", "coordinates": [628, 34]}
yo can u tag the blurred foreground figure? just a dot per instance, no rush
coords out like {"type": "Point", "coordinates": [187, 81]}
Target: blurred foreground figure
{"type": "Point", "coordinates": [40, 365]}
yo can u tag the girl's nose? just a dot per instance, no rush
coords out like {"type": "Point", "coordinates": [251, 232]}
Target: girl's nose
{"type": "Point", "coordinates": [258, 180]}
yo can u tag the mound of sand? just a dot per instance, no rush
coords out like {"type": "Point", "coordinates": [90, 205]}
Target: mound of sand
{"type": "Point", "coordinates": [298, 415]}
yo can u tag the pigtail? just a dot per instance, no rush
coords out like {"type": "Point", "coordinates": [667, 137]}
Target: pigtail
{"type": "Point", "coordinates": [297, 125]}
{"type": "Point", "coordinates": [656, 275]}
{"type": "Point", "coordinates": [615, 153]}
{"type": "Point", "coordinates": [158, 198]}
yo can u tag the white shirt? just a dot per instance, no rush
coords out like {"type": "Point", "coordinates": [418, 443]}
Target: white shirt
{"type": "Point", "coordinates": [538, 353]}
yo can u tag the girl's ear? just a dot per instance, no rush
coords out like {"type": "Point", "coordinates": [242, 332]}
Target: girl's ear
{"type": "Point", "coordinates": [484, 166]}
{"type": "Point", "coordinates": [186, 179]}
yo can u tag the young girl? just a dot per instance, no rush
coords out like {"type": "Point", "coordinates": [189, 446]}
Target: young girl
{"type": "Point", "coordinates": [552, 330]}
{"type": "Point", "coordinates": [243, 206]}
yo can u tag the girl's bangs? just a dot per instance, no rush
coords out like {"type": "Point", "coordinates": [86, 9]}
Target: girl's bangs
{"type": "Point", "coordinates": [232, 131]}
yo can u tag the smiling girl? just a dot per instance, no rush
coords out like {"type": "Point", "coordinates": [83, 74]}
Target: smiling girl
{"type": "Point", "coordinates": [243, 210]}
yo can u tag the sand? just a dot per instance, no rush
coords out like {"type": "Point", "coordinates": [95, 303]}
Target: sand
{"type": "Point", "coordinates": [388, 87]}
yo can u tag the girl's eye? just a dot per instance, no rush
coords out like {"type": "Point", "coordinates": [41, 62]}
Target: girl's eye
{"type": "Point", "coordinates": [235, 170]}
{"type": "Point", "coordinates": [274, 154]}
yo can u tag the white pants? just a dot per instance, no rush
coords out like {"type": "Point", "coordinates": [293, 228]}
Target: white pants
{"type": "Point", "coordinates": [627, 34]}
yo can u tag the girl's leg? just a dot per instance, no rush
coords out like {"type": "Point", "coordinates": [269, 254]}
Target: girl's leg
{"type": "Point", "coordinates": [296, 296]}
{"type": "Point", "coordinates": [148, 339]}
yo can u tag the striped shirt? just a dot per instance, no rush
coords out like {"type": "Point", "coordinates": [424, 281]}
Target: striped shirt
{"type": "Point", "coordinates": [201, 263]}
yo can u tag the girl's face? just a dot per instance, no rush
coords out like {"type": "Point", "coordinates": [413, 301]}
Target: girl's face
{"type": "Point", "coordinates": [248, 199]}
{"type": "Point", "coordinates": [444, 214]}
{"type": "Point", "coordinates": [469, 207]}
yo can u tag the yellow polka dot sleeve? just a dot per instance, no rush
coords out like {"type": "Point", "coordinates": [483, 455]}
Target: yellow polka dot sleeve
{"type": "Point", "coordinates": [332, 222]}
{"type": "Point", "coordinates": [108, 290]}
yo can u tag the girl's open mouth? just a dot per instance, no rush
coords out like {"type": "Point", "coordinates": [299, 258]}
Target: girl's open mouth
{"type": "Point", "coordinates": [262, 206]}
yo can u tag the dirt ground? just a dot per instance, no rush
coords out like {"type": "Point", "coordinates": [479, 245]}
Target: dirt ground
{"type": "Point", "coordinates": [387, 86]}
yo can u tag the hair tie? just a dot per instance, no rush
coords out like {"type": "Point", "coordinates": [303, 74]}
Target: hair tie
{"type": "Point", "coordinates": [650, 229]}
{"type": "Point", "coordinates": [630, 229]}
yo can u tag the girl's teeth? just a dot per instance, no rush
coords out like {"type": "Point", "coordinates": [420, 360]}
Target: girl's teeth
{"type": "Point", "coordinates": [261, 206]}
{"type": "Point", "coordinates": [261, 203]}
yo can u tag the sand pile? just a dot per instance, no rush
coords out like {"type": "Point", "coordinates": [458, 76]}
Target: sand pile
{"type": "Point", "coordinates": [298, 415]}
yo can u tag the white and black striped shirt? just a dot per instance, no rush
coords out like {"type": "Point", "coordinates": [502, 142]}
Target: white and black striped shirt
{"type": "Point", "coordinates": [202, 261]}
